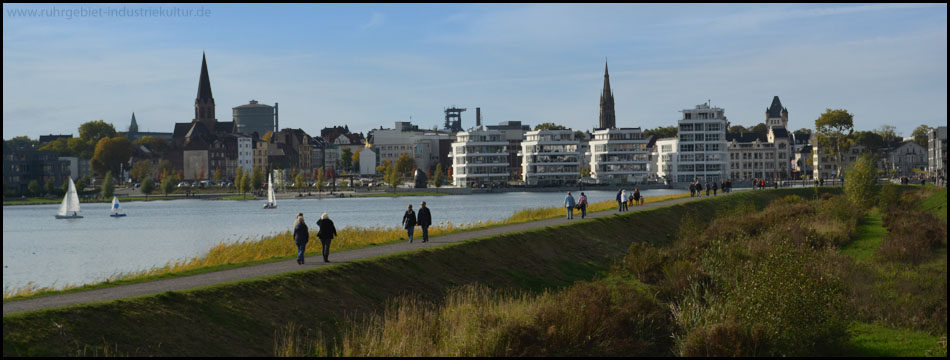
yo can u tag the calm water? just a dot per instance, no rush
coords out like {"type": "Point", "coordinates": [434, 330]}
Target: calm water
{"type": "Point", "coordinates": [51, 252]}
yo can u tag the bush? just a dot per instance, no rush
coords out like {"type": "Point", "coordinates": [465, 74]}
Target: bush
{"type": "Point", "coordinates": [912, 236]}
{"type": "Point", "coordinates": [728, 338]}
{"type": "Point", "coordinates": [859, 185]}
{"type": "Point", "coordinates": [888, 196]}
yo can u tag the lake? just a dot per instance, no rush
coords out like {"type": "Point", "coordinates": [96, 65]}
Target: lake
{"type": "Point", "coordinates": [48, 252]}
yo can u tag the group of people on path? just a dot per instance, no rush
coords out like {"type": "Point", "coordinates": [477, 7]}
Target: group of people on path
{"type": "Point", "coordinates": [580, 204]}
{"type": "Point", "coordinates": [696, 187]}
{"type": "Point", "coordinates": [302, 236]}
{"type": "Point", "coordinates": [624, 199]}
{"type": "Point", "coordinates": [424, 220]}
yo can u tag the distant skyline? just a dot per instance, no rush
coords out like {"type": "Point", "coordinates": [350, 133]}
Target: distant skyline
{"type": "Point", "coordinates": [370, 65]}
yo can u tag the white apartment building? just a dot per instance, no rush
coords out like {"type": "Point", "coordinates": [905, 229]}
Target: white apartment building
{"type": "Point", "coordinates": [937, 152]}
{"type": "Point", "coordinates": [426, 147]}
{"type": "Point", "coordinates": [245, 158]}
{"type": "Point", "coordinates": [619, 154]}
{"type": "Point", "coordinates": [479, 157]}
{"type": "Point", "coordinates": [702, 145]}
{"type": "Point", "coordinates": [666, 150]}
{"type": "Point", "coordinates": [550, 157]}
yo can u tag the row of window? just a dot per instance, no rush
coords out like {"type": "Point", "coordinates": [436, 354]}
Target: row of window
{"type": "Point", "coordinates": [701, 137]}
{"type": "Point", "coordinates": [699, 147]}
{"type": "Point", "coordinates": [699, 167]}
{"type": "Point", "coordinates": [716, 126]}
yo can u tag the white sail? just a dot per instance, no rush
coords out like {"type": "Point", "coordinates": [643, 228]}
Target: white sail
{"type": "Point", "coordinates": [73, 197]}
{"type": "Point", "coordinates": [65, 205]}
{"type": "Point", "coordinates": [115, 204]}
{"type": "Point", "coordinates": [271, 199]}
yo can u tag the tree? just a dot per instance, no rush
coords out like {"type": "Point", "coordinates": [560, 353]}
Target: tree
{"type": "Point", "coordinates": [217, 174]}
{"type": "Point", "coordinates": [383, 166]}
{"type": "Point", "coordinates": [49, 187]}
{"type": "Point", "coordinates": [833, 131]}
{"type": "Point", "coordinates": [393, 176]}
{"type": "Point", "coordinates": [405, 164]}
{"type": "Point", "coordinates": [246, 181]}
{"type": "Point", "coordinates": [164, 166]}
{"type": "Point", "coordinates": [80, 148]}
{"type": "Point", "coordinates": [346, 157]}
{"type": "Point", "coordinates": [168, 184]}
{"type": "Point", "coordinates": [108, 186]}
{"type": "Point", "coordinates": [549, 126]}
{"type": "Point", "coordinates": [256, 178]}
{"type": "Point", "coordinates": [859, 185]}
{"type": "Point", "coordinates": [299, 181]}
{"type": "Point", "coordinates": [356, 160]}
{"type": "Point", "coordinates": [737, 129]}
{"type": "Point", "coordinates": [320, 180]}
{"type": "Point", "coordinates": [920, 135]}
{"type": "Point", "coordinates": [110, 154]}
{"type": "Point", "coordinates": [662, 132]}
{"type": "Point", "coordinates": [148, 186]}
{"type": "Point", "coordinates": [760, 129]}
{"type": "Point", "coordinates": [871, 140]}
{"type": "Point", "coordinates": [437, 178]}
{"type": "Point", "coordinates": [21, 142]}
{"type": "Point", "coordinates": [34, 187]}
{"type": "Point", "coordinates": [93, 131]}
{"type": "Point", "coordinates": [889, 134]}
{"type": "Point", "coordinates": [802, 132]}
{"type": "Point", "coordinates": [585, 171]}
{"type": "Point", "coordinates": [141, 170]}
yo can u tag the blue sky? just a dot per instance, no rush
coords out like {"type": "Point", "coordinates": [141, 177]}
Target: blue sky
{"type": "Point", "coordinates": [369, 65]}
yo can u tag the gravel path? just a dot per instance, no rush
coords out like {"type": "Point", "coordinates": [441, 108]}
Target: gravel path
{"type": "Point", "coordinates": [188, 282]}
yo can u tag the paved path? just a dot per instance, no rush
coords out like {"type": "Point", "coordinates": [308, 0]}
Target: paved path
{"type": "Point", "coordinates": [247, 272]}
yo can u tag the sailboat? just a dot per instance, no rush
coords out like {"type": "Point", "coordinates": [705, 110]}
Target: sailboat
{"type": "Point", "coordinates": [115, 208]}
{"type": "Point", "coordinates": [70, 207]}
{"type": "Point", "coordinates": [271, 199]}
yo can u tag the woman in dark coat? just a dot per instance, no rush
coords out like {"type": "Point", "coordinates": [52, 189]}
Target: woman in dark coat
{"type": "Point", "coordinates": [425, 220]}
{"type": "Point", "coordinates": [301, 237]}
{"type": "Point", "coordinates": [409, 221]}
{"type": "Point", "coordinates": [326, 233]}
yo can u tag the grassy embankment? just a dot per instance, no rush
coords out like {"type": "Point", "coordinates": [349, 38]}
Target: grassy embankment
{"type": "Point", "coordinates": [240, 318]}
{"type": "Point", "coordinates": [750, 282]}
{"type": "Point", "coordinates": [281, 247]}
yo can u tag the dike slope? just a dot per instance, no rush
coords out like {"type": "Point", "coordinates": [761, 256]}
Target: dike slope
{"type": "Point", "coordinates": [239, 318]}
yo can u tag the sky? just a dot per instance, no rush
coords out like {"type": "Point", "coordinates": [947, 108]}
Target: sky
{"type": "Point", "coordinates": [370, 65]}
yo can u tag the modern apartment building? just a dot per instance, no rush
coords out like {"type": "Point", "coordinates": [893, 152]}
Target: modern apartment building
{"type": "Point", "coordinates": [702, 145]}
{"type": "Point", "coordinates": [937, 152]}
{"type": "Point", "coordinates": [550, 157]}
{"type": "Point", "coordinates": [666, 151]}
{"type": "Point", "coordinates": [619, 154]}
{"type": "Point", "coordinates": [479, 156]}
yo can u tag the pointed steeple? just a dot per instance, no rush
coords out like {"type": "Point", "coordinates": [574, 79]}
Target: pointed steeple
{"type": "Point", "coordinates": [608, 119]}
{"type": "Point", "coordinates": [776, 115]}
{"type": "Point", "coordinates": [204, 103]}
{"type": "Point", "coordinates": [134, 127]}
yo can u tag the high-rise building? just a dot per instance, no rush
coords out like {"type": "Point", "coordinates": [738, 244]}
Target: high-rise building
{"type": "Point", "coordinates": [479, 157]}
{"type": "Point", "coordinates": [937, 151]}
{"type": "Point", "coordinates": [550, 157]}
{"type": "Point", "coordinates": [702, 145]}
{"type": "Point", "coordinates": [619, 155]}
{"type": "Point", "coordinates": [253, 117]}
{"type": "Point", "coordinates": [608, 118]}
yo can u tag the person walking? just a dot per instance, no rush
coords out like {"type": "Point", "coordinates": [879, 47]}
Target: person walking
{"type": "Point", "coordinates": [699, 188]}
{"type": "Point", "coordinates": [582, 203]}
{"type": "Point", "coordinates": [425, 219]}
{"type": "Point", "coordinates": [708, 189]}
{"type": "Point", "coordinates": [619, 200]}
{"type": "Point", "coordinates": [636, 196]}
{"type": "Point", "coordinates": [409, 222]}
{"type": "Point", "coordinates": [326, 233]}
{"type": "Point", "coordinates": [755, 183]}
{"type": "Point", "coordinates": [715, 188]}
{"type": "Point", "coordinates": [624, 197]}
{"type": "Point", "coordinates": [301, 237]}
{"type": "Point", "coordinates": [692, 188]}
{"type": "Point", "coordinates": [569, 204]}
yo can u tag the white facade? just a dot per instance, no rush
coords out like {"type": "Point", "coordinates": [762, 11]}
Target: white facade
{"type": "Point", "coordinates": [423, 146]}
{"type": "Point", "coordinates": [619, 155]}
{"type": "Point", "coordinates": [479, 157]}
{"type": "Point", "coordinates": [550, 157]}
{"type": "Point", "coordinates": [753, 160]}
{"type": "Point", "coordinates": [937, 151]}
{"type": "Point", "coordinates": [666, 159]}
{"type": "Point", "coordinates": [367, 161]}
{"type": "Point", "coordinates": [245, 150]}
{"type": "Point", "coordinates": [702, 145]}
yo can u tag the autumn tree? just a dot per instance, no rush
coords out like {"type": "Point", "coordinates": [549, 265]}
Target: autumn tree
{"type": "Point", "coordinates": [920, 135]}
{"type": "Point", "coordinates": [141, 170]}
{"type": "Point", "coordinates": [356, 160]}
{"type": "Point", "coordinates": [148, 186]}
{"type": "Point", "coordinates": [34, 187]}
{"type": "Point", "coordinates": [662, 132]}
{"type": "Point", "coordinates": [346, 157]}
{"type": "Point", "coordinates": [168, 184]}
{"type": "Point", "coordinates": [108, 186]}
{"type": "Point", "coordinates": [437, 178]}
{"type": "Point", "coordinates": [110, 153]}
{"type": "Point", "coordinates": [549, 126]}
{"type": "Point", "coordinates": [93, 131]}
{"type": "Point", "coordinates": [833, 130]}
{"type": "Point", "coordinates": [320, 180]}
{"type": "Point", "coordinates": [256, 178]}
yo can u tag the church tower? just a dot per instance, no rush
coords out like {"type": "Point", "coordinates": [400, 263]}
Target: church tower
{"type": "Point", "coordinates": [204, 103]}
{"type": "Point", "coordinates": [608, 119]}
{"type": "Point", "coordinates": [134, 127]}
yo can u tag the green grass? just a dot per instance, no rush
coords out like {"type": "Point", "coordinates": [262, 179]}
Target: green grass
{"type": "Point", "coordinates": [937, 204]}
{"type": "Point", "coordinates": [871, 233]}
{"type": "Point", "coordinates": [875, 340]}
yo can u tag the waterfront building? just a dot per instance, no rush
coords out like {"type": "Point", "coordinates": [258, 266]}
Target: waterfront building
{"type": "Point", "coordinates": [763, 156]}
{"type": "Point", "coordinates": [426, 147]}
{"type": "Point", "coordinates": [666, 150]}
{"type": "Point", "coordinates": [824, 165]}
{"type": "Point", "coordinates": [245, 155]}
{"type": "Point", "coordinates": [902, 159]}
{"type": "Point", "coordinates": [801, 166]}
{"type": "Point", "coordinates": [254, 118]}
{"type": "Point", "coordinates": [937, 151]}
{"type": "Point", "coordinates": [608, 117]}
{"type": "Point", "coordinates": [479, 156]}
{"type": "Point", "coordinates": [620, 155]}
{"type": "Point", "coordinates": [368, 161]}
{"type": "Point", "coordinates": [702, 150]}
{"type": "Point", "coordinates": [23, 163]}
{"type": "Point", "coordinates": [550, 157]}
{"type": "Point", "coordinates": [513, 132]}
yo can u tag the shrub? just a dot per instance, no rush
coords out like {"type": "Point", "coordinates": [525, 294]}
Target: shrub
{"type": "Point", "coordinates": [728, 338]}
{"type": "Point", "coordinates": [888, 196]}
{"type": "Point", "coordinates": [912, 236]}
{"type": "Point", "coordinates": [859, 185]}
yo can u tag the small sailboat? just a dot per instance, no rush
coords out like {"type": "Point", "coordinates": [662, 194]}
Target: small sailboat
{"type": "Point", "coordinates": [70, 207]}
{"type": "Point", "coordinates": [115, 208]}
{"type": "Point", "coordinates": [271, 199]}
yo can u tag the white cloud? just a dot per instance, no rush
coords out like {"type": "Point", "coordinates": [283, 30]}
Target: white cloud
{"type": "Point", "coordinates": [375, 21]}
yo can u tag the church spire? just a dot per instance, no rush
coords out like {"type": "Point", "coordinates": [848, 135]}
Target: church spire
{"type": "Point", "coordinates": [204, 103]}
{"type": "Point", "coordinates": [608, 119]}
{"type": "Point", "coordinates": [133, 127]}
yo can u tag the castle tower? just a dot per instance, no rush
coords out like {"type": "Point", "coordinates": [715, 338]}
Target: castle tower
{"type": "Point", "coordinates": [608, 119]}
{"type": "Point", "coordinates": [204, 103]}
{"type": "Point", "coordinates": [776, 115]}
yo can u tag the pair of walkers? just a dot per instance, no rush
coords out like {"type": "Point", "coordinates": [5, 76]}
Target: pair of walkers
{"type": "Point", "coordinates": [570, 204]}
{"type": "Point", "coordinates": [424, 220]}
{"type": "Point", "coordinates": [302, 236]}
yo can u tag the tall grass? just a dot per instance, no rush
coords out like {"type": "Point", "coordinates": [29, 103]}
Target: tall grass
{"type": "Point", "coordinates": [282, 244]}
